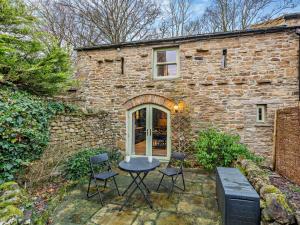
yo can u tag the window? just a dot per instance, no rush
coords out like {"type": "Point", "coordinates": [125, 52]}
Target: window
{"type": "Point", "coordinates": [165, 63]}
{"type": "Point", "coordinates": [224, 58]}
{"type": "Point", "coordinates": [122, 65]}
{"type": "Point", "coordinates": [261, 111]}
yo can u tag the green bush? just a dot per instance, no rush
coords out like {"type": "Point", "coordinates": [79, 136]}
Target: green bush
{"type": "Point", "coordinates": [77, 166]}
{"type": "Point", "coordinates": [215, 148]}
{"type": "Point", "coordinates": [24, 134]}
{"type": "Point", "coordinates": [30, 58]}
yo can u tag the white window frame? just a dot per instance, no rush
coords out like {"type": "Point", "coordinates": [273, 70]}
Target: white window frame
{"type": "Point", "coordinates": [154, 63]}
{"type": "Point", "coordinates": [263, 109]}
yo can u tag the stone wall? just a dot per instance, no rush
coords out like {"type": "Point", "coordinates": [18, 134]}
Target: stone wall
{"type": "Point", "coordinates": [261, 69]}
{"type": "Point", "coordinates": [77, 131]}
{"type": "Point", "coordinates": [69, 134]}
{"type": "Point", "coordinates": [275, 207]}
{"type": "Point", "coordinates": [287, 143]}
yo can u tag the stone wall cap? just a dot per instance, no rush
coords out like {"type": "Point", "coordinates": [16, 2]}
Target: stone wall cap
{"type": "Point", "coordinates": [190, 38]}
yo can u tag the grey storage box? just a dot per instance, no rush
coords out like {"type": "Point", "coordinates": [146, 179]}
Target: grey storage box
{"type": "Point", "coordinates": [237, 199]}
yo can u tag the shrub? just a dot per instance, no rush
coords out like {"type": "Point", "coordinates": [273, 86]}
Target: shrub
{"type": "Point", "coordinates": [215, 148]}
{"type": "Point", "coordinates": [24, 131]}
{"type": "Point", "coordinates": [77, 166]}
{"type": "Point", "coordinates": [30, 58]}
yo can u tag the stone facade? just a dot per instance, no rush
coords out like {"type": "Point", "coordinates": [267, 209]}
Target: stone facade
{"type": "Point", "coordinates": [261, 69]}
{"type": "Point", "coordinates": [285, 20]}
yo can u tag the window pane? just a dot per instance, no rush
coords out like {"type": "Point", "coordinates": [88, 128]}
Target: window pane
{"type": "Point", "coordinates": [166, 70]}
{"type": "Point", "coordinates": [159, 133]}
{"type": "Point", "coordinates": [166, 56]}
{"type": "Point", "coordinates": [139, 132]}
{"type": "Point", "coordinates": [261, 113]}
{"type": "Point", "coordinates": [260, 117]}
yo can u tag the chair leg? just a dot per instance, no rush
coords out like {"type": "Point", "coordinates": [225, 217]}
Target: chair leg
{"type": "Point", "coordinates": [99, 193]}
{"type": "Point", "coordinates": [172, 187]}
{"type": "Point", "coordinates": [183, 181]}
{"type": "Point", "coordinates": [160, 182]}
{"type": "Point", "coordinates": [116, 186]}
{"type": "Point", "coordinates": [88, 191]}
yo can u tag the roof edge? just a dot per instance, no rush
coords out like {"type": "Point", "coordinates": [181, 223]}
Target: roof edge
{"type": "Point", "coordinates": [291, 16]}
{"type": "Point", "coordinates": [176, 40]}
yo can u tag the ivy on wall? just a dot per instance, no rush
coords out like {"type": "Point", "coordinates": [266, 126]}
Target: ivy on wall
{"type": "Point", "coordinates": [24, 133]}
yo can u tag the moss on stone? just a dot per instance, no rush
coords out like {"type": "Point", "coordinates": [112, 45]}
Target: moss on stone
{"type": "Point", "coordinates": [8, 186]}
{"type": "Point", "coordinates": [11, 201]}
{"type": "Point", "coordinates": [273, 202]}
{"type": "Point", "coordinates": [280, 199]}
{"type": "Point", "coordinates": [265, 215]}
{"type": "Point", "coordinates": [10, 194]}
{"type": "Point", "coordinates": [243, 171]}
{"type": "Point", "coordinates": [259, 184]}
{"type": "Point", "coordinates": [10, 212]}
{"type": "Point", "coordinates": [262, 204]}
{"type": "Point", "coordinates": [4, 204]}
{"type": "Point", "coordinates": [254, 173]}
{"type": "Point", "coordinates": [269, 189]}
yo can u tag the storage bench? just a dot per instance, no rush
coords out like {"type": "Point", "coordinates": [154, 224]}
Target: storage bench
{"type": "Point", "coordinates": [237, 199]}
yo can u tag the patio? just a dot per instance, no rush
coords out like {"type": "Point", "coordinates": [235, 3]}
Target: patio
{"type": "Point", "coordinates": [197, 205]}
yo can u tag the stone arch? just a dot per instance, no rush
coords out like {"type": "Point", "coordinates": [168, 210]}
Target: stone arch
{"type": "Point", "coordinates": [149, 99]}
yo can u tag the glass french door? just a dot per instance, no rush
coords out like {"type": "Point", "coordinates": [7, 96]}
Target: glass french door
{"type": "Point", "coordinates": [148, 131]}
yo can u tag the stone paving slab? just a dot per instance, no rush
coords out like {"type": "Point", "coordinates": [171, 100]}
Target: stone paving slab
{"type": "Point", "coordinates": [197, 205]}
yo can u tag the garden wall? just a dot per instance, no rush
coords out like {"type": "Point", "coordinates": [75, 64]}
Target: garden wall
{"type": "Point", "coordinates": [79, 131]}
{"type": "Point", "coordinates": [287, 143]}
{"type": "Point", "coordinates": [70, 133]}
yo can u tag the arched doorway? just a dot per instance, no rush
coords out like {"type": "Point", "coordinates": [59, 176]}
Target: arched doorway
{"type": "Point", "coordinates": [148, 131]}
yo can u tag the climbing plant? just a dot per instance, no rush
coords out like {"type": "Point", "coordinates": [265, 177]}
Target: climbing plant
{"type": "Point", "coordinates": [24, 131]}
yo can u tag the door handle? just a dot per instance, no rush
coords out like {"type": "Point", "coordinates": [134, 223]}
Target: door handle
{"type": "Point", "coordinates": [148, 132]}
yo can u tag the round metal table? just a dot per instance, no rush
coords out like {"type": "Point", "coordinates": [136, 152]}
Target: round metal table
{"type": "Point", "coordinates": [138, 168]}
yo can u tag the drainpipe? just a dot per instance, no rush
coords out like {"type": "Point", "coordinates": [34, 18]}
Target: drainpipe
{"type": "Point", "coordinates": [298, 33]}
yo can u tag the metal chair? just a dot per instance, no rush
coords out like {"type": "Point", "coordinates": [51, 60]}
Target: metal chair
{"type": "Point", "coordinates": [98, 164]}
{"type": "Point", "coordinates": [174, 172]}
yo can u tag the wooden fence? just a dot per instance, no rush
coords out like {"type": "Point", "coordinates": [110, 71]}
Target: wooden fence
{"type": "Point", "coordinates": [287, 143]}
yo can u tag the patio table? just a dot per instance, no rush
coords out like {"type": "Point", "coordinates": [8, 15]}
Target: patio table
{"type": "Point", "coordinates": [138, 168]}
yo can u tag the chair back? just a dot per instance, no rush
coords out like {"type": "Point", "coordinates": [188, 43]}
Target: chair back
{"type": "Point", "coordinates": [98, 162]}
{"type": "Point", "coordinates": [177, 157]}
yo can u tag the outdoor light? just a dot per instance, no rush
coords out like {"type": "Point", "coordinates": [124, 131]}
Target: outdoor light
{"type": "Point", "coordinates": [176, 108]}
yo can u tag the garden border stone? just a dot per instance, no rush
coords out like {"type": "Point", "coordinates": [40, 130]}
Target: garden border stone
{"type": "Point", "coordinates": [275, 208]}
{"type": "Point", "coordinates": [12, 198]}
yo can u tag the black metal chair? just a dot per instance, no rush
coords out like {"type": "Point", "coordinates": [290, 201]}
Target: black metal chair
{"type": "Point", "coordinates": [174, 172]}
{"type": "Point", "coordinates": [100, 170]}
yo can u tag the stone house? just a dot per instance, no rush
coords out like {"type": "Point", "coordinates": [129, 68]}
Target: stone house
{"type": "Point", "coordinates": [160, 93]}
